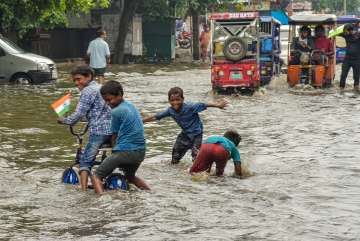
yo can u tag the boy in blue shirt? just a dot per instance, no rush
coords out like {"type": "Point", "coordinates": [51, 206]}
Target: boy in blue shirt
{"type": "Point", "coordinates": [127, 138]}
{"type": "Point", "coordinates": [92, 106]}
{"type": "Point", "coordinates": [218, 149]}
{"type": "Point", "coordinates": [187, 117]}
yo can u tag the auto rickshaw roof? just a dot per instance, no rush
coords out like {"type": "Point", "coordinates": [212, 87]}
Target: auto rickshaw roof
{"type": "Point", "coordinates": [348, 19]}
{"type": "Point", "coordinates": [237, 15]}
{"type": "Point", "coordinates": [312, 19]}
{"type": "Point", "coordinates": [269, 19]}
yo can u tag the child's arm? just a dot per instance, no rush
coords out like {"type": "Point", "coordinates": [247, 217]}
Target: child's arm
{"type": "Point", "coordinates": [149, 119]}
{"type": "Point", "coordinates": [218, 104]}
{"type": "Point", "coordinates": [113, 139]}
{"type": "Point", "coordinates": [237, 168]}
{"type": "Point", "coordinates": [158, 116]}
{"type": "Point", "coordinates": [82, 108]}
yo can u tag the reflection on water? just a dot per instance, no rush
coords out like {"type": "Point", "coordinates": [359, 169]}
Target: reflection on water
{"type": "Point", "coordinates": [302, 151]}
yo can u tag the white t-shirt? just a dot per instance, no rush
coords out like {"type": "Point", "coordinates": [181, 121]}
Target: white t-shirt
{"type": "Point", "coordinates": [98, 50]}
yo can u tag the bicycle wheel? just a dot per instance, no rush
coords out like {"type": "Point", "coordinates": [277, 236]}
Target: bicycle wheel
{"type": "Point", "coordinates": [70, 176]}
{"type": "Point", "coordinates": [116, 181]}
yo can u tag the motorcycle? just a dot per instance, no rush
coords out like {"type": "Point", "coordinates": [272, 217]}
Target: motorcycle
{"type": "Point", "coordinates": [184, 39]}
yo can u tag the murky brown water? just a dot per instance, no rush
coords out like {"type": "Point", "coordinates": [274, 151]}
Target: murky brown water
{"type": "Point", "coordinates": [304, 151]}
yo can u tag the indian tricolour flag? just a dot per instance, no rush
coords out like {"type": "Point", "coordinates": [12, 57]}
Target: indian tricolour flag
{"type": "Point", "coordinates": [62, 105]}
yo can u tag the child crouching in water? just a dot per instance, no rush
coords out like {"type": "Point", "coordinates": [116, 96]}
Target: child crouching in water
{"type": "Point", "coordinates": [218, 149]}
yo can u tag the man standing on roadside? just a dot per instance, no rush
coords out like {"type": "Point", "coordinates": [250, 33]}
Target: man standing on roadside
{"type": "Point", "coordinates": [352, 57]}
{"type": "Point", "coordinates": [99, 54]}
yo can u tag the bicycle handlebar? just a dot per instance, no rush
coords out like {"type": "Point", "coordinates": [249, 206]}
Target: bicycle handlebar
{"type": "Point", "coordinates": [82, 131]}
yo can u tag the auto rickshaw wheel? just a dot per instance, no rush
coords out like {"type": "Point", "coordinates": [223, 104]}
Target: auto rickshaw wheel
{"type": "Point", "coordinates": [235, 48]}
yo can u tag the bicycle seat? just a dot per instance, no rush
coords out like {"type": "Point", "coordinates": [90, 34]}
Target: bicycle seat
{"type": "Point", "coordinates": [105, 146]}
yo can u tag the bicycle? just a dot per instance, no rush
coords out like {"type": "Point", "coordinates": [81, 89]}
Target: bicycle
{"type": "Point", "coordinates": [114, 181]}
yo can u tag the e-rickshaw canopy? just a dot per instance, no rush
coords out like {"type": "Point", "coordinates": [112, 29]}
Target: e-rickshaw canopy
{"type": "Point", "coordinates": [269, 19]}
{"type": "Point", "coordinates": [348, 19]}
{"type": "Point", "coordinates": [312, 19]}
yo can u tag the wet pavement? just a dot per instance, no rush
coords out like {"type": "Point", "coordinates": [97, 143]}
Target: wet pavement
{"type": "Point", "coordinates": [303, 152]}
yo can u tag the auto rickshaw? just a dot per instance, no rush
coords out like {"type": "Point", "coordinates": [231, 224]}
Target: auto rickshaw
{"type": "Point", "coordinates": [235, 51]}
{"type": "Point", "coordinates": [270, 48]}
{"type": "Point", "coordinates": [314, 67]}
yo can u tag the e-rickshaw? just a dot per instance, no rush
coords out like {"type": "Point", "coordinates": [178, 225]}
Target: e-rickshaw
{"type": "Point", "coordinates": [235, 51]}
{"type": "Point", "coordinates": [303, 67]}
{"type": "Point", "coordinates": [340, 42]}
{"type": "Point", "coordinates": [270, 48]}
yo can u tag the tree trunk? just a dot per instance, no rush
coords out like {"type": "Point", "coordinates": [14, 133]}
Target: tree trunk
{"type": "Point", "coordinates": [195, 34]}
{"type": "Point", "coordinates": [126, 16]}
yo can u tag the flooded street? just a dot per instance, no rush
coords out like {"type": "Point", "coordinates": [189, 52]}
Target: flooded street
{"type": "Point", "coordinates": [303, 151]}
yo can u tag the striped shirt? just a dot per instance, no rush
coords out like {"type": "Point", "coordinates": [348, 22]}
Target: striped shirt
{"type": "Point", "coordinates": [92, 106]}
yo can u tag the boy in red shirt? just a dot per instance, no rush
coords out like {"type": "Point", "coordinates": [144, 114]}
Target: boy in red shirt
{"type": "Point", "coordinates": [321, 41]}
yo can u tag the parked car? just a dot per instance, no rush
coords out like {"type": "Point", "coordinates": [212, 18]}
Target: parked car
{"type": "Point", "coordinates": [18, 66]}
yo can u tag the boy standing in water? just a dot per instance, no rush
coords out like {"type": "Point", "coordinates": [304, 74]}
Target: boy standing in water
{"type": "Point", "coordinates": [187, 117]}
{"type": "Point", "coordinates": [92, 106]}
{"type": "Point", "coordinates": [127, 138]}
{"type": "Point", "coordinates": [218, 149]}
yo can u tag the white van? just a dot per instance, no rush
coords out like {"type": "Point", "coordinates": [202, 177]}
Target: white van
{"type": "Point", "coordinates": [18, 66]}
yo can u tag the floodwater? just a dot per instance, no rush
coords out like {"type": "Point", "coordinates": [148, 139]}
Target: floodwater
{"type": "Point", "coordinates": [303, 152]}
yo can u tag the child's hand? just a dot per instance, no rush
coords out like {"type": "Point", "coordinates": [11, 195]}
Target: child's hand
{"type": "Point", "coordinates": [60, 120]}
{"type": "Point", "coordinates": [222, 103]}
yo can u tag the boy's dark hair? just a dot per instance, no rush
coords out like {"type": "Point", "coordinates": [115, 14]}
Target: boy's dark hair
{"type": "Point", "coordinates": [112, 87]}
{"type": "Point", "coordinates": [305, 29]}
{"type": "Point", "coordinates": [100, 32]}
{"type": "Point", "coordinates": [176, 91]}
{"type": "Point", "coordinates": [84, 70]}
{"type": "Point", "coordinates": [348, 27]}
{"type": "Point", "coordinates": [319, 28]}
{"type": "Point", "coordinates": [233, 136]}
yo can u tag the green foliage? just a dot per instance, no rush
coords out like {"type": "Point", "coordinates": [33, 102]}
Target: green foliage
{"type": "Point", "coordinates": [24, 15]}
{"type": "Point", "coordinates": [154, 9]}
{"type": "Point", "coordinates": [336, 6]}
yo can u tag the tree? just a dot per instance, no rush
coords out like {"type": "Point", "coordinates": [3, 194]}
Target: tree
{"type": "Point", "coordinates": [21, 16]}
{"type": "Point", "coordinates": [336, 6]}
{"type": "Point", "coordinates": [149, 10]}
{"type": "Point", "coordinates": [195, 9]}
{"type": "Point", "coordinates": [127, 13]}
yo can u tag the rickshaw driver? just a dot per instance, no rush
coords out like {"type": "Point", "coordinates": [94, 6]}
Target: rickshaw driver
{"type": "Point", "coordinates": [302, 44]}
{"type": "Point", "coordinates": [323, 50]}
{"type": "Point", "coordinates": [323, 44]}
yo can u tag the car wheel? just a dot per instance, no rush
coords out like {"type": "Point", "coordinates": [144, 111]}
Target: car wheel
{"type": "Point", "coordinates": [22, 79]}
{"type": "Point", "coordinates": [235, 48]}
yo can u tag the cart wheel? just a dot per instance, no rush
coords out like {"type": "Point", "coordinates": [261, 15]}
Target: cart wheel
{"type": "Point", "coordinates": [116, 181]}
{"type": "Point", "coordinates": [70, 176]}
{"type": "Point", "coordinates": [235, 48]}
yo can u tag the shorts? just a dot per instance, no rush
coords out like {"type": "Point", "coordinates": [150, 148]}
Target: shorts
{"type": "Point", "coordinates": [99, 72]}
{"type": "Point", "coordinates": [183, 143]}
{"type": "Point", "coordinates": [208, 154]}
{"type": "Point", "coordinates": [91, 150]}
{"type": "Point", "coordinates": [127, 161]}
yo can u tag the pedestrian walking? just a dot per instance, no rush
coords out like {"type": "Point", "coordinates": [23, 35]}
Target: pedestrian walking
{"type": "Point", "coordinates": [99, 54]}
{"type": "Point", "coordinates": [204, 42]}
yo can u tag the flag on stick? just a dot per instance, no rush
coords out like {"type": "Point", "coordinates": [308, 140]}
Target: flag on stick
{"type": "Point", "coordinates": [62, 105]}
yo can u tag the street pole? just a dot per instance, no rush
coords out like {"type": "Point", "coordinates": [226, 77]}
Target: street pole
{"type": "Point", "coordinates": [345, 7]}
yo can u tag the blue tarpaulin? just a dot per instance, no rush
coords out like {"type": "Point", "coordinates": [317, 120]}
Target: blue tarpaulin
{"type": "Point", "coordinates": [281, 17]}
